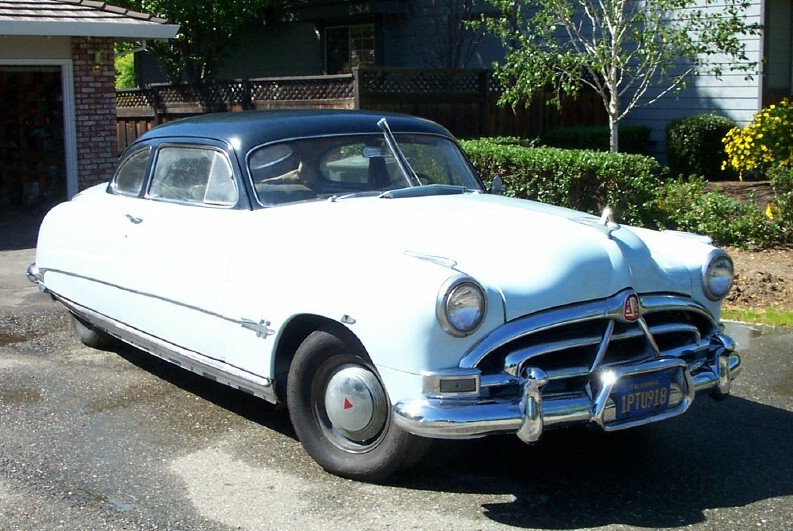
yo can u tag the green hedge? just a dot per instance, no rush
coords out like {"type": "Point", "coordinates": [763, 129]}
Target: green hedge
{"type": "Point", "coordinates": [579, 179]}
{"type": "Point", "coordinates": [632, 139]}
{"type": "Point", "coordinates": [694, 146]}
{"type": "Point", "coordinates": [685, 204]}
{"type": "Point", "coordinates": [782, 209]}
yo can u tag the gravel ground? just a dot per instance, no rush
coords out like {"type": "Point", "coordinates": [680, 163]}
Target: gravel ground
{"type": "Point", "coordinates": [764, 279]}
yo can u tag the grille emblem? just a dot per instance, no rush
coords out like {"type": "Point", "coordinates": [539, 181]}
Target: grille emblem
{"type": "Point", "coordinates": [631, 309]}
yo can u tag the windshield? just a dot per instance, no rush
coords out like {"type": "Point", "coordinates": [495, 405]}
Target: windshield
{"type": "Point", "coordinates": [343, 166]}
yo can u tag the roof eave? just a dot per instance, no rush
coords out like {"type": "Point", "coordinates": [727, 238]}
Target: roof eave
{"type": "Point", "coordinates": [61, 28]}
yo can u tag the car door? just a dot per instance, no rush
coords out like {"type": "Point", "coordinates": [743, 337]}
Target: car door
{"type": "Point", "coordinates": [178, 245]}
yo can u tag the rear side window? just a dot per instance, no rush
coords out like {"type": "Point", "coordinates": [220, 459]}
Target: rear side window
{"type": "Point", "coordinates": [193, 175]}
{"type": "Point", "coordinates": [130, 175]}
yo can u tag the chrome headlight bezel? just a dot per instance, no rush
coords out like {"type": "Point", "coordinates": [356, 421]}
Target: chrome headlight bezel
{"type": "Point", "coordinates": [718, 272]}
{"type": "Point", "coordinates": [461, 306]}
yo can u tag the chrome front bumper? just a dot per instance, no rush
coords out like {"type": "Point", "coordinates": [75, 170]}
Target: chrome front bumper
{"type": "Point", "coordinates": [530, 414]}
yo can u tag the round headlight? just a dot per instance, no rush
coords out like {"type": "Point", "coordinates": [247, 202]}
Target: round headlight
{"type": "Point", "coordinates": [717, 274]}
{"type": "Point", "coordinates": [461, 306]}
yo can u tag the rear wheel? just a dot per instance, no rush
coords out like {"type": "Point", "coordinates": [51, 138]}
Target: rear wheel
{"type": "Point", "coordinates": [341, 412]}
{"type": "Point", "coordinates": [90, 336]}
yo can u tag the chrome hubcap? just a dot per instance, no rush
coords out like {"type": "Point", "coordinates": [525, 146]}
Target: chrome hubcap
{"type": "Point", "coordinates": [355, 403]}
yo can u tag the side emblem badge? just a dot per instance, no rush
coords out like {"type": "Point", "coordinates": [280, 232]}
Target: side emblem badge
{"type": "Point", "coordinates": [631, 309]}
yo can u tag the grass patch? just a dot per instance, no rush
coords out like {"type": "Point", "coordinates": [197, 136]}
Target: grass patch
{"type": "Point", "coordinates": [771, 317]}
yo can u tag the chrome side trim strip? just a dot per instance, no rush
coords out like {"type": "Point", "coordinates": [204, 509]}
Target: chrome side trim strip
{"type": "Point", "coordinates": [245, 323]}
{"type": "Point", "coordinates": [206, 366]}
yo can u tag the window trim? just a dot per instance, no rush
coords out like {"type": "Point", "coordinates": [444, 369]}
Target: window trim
{"type": "Point", "coordinates": [348, 28]}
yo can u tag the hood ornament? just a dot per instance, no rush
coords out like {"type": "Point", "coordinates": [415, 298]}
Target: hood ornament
{"type": "Point", "coordinates": [606, 217]}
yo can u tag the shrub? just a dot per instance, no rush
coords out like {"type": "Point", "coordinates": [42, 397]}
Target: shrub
{"type": "Point", "coordinates": [579, 179]}
{"type": "Point", "coordinates": [694, 145]}
{"type": "Point", "coordinates": [684, 204]}
{"type": "Point", "coordinates": [763, 144]}
{"type": "Point", "coordinates": [513, 141]}
{"type": "Point", "coordinates": [633, 139]}
{"type": "Point", "coordinates": [782, 208]}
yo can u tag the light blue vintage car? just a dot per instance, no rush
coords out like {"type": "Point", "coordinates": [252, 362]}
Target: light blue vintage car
{"type": "Point", "coordinates": [352, 266]}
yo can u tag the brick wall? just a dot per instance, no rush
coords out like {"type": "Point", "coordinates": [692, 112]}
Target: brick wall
{"type": "Point", "coordinates": [95, 109]}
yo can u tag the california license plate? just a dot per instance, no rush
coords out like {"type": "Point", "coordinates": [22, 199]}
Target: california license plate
{"type": "Point", "coordinates": [642, 394]}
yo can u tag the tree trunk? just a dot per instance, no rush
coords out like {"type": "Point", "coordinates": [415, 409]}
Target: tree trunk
{"type": "Point", "coordinates": [614, 112]}
{"type": "Point", "coordinates": [614, 135]}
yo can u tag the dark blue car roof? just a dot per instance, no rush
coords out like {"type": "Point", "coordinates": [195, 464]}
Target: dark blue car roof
{"type": "Point", "coordinates": [248, 129]}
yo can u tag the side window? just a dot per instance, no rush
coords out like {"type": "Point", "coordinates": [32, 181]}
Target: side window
{"type": "Point", "coordinates": [130, 175]}
{"type": "Point", "coordinates": [221, 189]}
{"type": "Point", "coordinates": [194, 175]}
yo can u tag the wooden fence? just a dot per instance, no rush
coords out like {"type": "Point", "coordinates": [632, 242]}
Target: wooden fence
{"type": "Point", "coordinates": [464, 101]}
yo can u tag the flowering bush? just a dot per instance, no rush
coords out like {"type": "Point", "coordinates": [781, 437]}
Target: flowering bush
{"type": "Point", "coordinates": [764, 143]}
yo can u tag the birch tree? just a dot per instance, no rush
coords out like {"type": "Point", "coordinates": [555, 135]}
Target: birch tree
{"type": "Point", "coordinates": [619, 48]}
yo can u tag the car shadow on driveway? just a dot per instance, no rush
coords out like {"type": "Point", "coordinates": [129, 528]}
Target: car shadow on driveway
{"type": "Point", "coordinates": [243, 404]}
{"type": "Point", "coordinates": [717, 455]}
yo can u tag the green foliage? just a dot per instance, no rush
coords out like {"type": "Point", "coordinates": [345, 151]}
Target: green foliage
{"type": "Point", "coordinates": [763, 144]}
{"type": "Point", "coordinates": [125, 72]}
{"type": "Point", "coordinates": [684, 204]}
{"type": "Point", "coordinates": [782, 208]}
{"type": "Point", "coordinates": [633, 139]}
{"type": "Point", "coordinates": [579, 179]}
{"type": "Point", "coordinates": [512, 141]}
{"type": "Point", "coordinates": [618, 48]}
{"type": "Point", "coordinates": [205, 31]}
{"type": "Point", "coordinates": [694, 145]}
{"type": "Point", "coordinates": [766, 316]}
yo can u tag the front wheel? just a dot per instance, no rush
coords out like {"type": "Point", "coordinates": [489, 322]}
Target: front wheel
{"type": "Point", "coordinates": [341, 412]}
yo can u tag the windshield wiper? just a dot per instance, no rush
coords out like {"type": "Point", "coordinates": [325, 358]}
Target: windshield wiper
{"type": "Point", "coordinates": [402, 162]}
{"type": "Point", "coordinates": [364, 193]}
{"type": "Point", "coordinates": [427, 190]}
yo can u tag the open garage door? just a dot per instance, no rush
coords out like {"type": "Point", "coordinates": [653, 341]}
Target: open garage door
{"type": "Point", "coordinates": [32, 147]}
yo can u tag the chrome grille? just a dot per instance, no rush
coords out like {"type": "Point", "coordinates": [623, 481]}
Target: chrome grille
{"type": "Point", "coordinates": [571, 343]}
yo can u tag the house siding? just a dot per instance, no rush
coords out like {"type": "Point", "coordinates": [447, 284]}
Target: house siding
{"type": "Point", "coordinates": [732, 96]}
{"type": "Point", "coordinates": [24, 47]}
{"type": "Point", "coordinates": [421, 40]}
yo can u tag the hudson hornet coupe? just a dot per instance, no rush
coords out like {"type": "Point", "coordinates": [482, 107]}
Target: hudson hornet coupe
{"type": "Point", "coordinates": [352, 266]}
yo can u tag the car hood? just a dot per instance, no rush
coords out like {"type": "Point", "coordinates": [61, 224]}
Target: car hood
{"type": "Point", "coordinates": [535, 255]}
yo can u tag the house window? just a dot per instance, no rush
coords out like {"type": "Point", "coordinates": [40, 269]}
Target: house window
{"type": "Point", "coordinates": [348, 47]}
{"type": "Point", "coordinates": [779, 61]}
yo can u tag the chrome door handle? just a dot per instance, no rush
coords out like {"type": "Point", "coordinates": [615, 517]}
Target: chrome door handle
{"type": "Point", "coordinates": [133, 219]}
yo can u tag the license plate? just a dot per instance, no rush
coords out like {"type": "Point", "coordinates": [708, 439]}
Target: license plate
{"type": "Point", "coordinates": [642, 394]}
